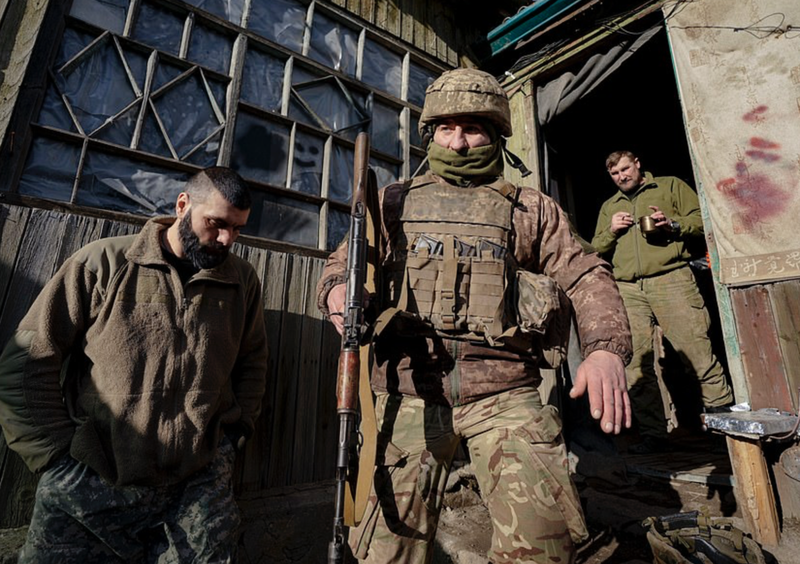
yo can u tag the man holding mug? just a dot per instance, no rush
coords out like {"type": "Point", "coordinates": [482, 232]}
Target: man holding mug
{"type": "Point", "coordinates": [644, 230]}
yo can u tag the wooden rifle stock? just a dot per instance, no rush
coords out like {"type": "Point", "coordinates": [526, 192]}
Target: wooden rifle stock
{"type": "Point", "coordinates": [347, 384]}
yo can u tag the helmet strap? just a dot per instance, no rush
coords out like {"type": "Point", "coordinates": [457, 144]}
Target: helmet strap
{"type": "Point", "coordinates": [514, 161]}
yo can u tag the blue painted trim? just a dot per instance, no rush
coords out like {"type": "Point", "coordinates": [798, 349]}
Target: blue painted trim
{"type": "Point", "coordinates": [527, 21]}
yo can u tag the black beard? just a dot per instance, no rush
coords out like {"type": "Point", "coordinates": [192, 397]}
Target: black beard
{"type": "Point", "coordinates": [200, 255]}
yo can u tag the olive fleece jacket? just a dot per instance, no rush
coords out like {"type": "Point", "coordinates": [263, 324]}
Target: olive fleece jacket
{"type": "Point", "coordinates": [634, 256]}
{"type": "Point", "coordinates": [129, 371]}
{"type": "Point", "coordinates": [456, 372]}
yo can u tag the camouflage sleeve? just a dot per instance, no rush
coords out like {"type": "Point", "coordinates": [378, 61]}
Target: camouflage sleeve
{"type": "Point", "coordinates": [545, 244]}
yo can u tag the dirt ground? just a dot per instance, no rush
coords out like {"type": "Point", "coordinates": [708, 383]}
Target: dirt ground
{"type": "Point", "coordinates": [291, 525]}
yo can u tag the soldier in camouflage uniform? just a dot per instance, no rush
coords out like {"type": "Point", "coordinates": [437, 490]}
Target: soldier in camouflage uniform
{"type": "Point", "coordinates": [136, 373]}
{"type": "Point", "coordinates": [464, 256]}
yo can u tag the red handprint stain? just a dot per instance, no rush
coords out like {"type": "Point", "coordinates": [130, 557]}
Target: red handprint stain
{"type": "Point", "coordinates": [756, 114]}
{"type": "Point", "coordinates": [755, 195]}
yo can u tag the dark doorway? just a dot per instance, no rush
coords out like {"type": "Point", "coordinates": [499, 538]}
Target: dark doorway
{"type": "Point", "coordinates": [637, 108]}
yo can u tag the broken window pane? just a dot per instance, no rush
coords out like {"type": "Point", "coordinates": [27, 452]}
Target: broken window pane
{"type": "Point", "coordinates": [419, 78]}
{"type": "Point", "coordinates": [340, 110]}
{"type": "Point", "coordinates": [207, 154]}
{"type": "Point", "coordinates": [152, 140]}
{"type": "Point", "coordinates": [385, 129]}
{"type": "Point", "coordinates": [165, 72]}
{"type": "Point", "coordinates": [97, 87]}
{"type": "Point", "coordinates": [338, 226]}
{"type": "Point", "coordinates": [385, 172]}
{"type": "Point", "coordinates": [105, 14]}
{"type": "Point", "coordinates": [210, 48]}
{"type": "Point", "coordinates": [262, 84]}
{"type": "Point", "coordinates": [187, 114]}
{"type": "Point", "coordinates": [230, 10]}
{"type": "Point", "coordinates": [54, 113]}
{"type": "Point", "coordinates": [260, 149]}
{"type": "Point", "coordinates": [341, 181]}
{"type": "Point", "coordinates": [283, 219]}
{"type": "Point", "coordinates": [159, 28]}
{"type": "Point", "coordinates": [120, 131]}
{"type": "Point", "coordinates": [113, 182]}
{"type": "Point", "coordinates": [308, 161]}
{"type": "Point", "coordinates": [72, 42]}
{"type": "Point", "coordinates": [382, 68]}
{"type": "Point", "coordinates": [333, 44]}
{"type": "Point", "coordinates": [51, 169]}
{"type": "Point", "coordinates": [413, 134]}
{"type": "Point", "coordinates": [281, 21]}
{"type": "Point", "coordinates": [137, 62]}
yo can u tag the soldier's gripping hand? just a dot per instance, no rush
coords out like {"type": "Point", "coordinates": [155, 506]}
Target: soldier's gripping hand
{"type": "Point", "coordinates": [603, 374]}
{"type": "Point", "coordinates": [336, 299]}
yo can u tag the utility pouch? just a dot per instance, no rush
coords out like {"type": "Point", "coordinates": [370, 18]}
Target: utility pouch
{"type": "Point", "coordinates": [696, 538]}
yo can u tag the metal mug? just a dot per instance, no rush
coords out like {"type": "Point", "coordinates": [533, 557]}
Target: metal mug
{"type": "Point", "coordinates": [647, 225]}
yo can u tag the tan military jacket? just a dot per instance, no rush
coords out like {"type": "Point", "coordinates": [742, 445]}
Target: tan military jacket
{"type": "Point", "coordinates": [456, 372]}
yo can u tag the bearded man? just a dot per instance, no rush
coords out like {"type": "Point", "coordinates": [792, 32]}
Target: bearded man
{"type": "Point", "coordinates": [132, 381]}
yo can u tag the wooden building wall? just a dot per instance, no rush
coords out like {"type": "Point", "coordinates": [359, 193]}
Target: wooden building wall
{"type": "Point", "coordinates": [295, 437]}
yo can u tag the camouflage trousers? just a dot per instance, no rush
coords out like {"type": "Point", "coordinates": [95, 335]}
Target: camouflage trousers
{"type": "Point", "coordinates": [520, 463]}
{"type": "Point", "coordinates": [672, 301]}
{"type": "Point", "coordinates": [79, 518]}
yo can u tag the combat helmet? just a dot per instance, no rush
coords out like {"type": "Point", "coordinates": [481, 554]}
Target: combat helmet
{"type": "Point", "coordinates": [466, 92]}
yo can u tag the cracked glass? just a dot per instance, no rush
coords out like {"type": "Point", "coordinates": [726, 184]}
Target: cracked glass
{"type": "Point", "coordinates": [333, 44]}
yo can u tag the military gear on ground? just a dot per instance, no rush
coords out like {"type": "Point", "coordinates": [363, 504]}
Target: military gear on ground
{"type": "Point", "coordinates": [470, 92]}
{"type": "Point", "coordinates": [697, 538]}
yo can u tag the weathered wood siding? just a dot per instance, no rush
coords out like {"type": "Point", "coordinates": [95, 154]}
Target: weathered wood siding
{"type": "Point", "coordinates": [768, 328]}
{"type": "Point", "coordinates": [433, 27]}
{"type": "Point", "coordinates": [295, 436]}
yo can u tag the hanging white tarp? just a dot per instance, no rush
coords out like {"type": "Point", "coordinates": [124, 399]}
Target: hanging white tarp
{"type": "Point", "coordinates": [738, 66]}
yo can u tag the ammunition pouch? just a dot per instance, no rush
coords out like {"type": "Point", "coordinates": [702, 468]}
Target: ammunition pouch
{"type": "Point", "coordinates": [454, 275]}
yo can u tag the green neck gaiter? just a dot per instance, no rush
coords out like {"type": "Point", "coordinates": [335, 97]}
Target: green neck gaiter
{"type": "Point", "coordinates": [462, 169]}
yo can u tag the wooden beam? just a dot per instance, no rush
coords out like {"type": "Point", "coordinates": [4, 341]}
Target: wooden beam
{"type": "Point", "coordinates": [753, 489]}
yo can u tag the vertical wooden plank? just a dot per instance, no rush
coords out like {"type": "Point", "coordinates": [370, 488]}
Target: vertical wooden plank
{"type": "Point", "coordinates": [327, 419]}
{"type": "Point", "coordinates": [250, 466]}
{"type": "Point", "coordinates": [785, 299]}
{"type": "Point", "coordinates": [394, 18]}
{"type": "Point", "coordinates": [36, 263]}
{"type": "Point", "coordinates": [407, 20]}
{"type": "Point", "coordinates": [419, 13]}
{"type": "Point", "coordinates": [275, 290]}
{"type": "Point", "coordinates": [288, 364]}
{"type": "Point", "coordinates": [753, 489]}
{"type": "Point", "coordinates": [308, 399]}
{"type": "Point", "coordinates": [13, 220]}
{"type": "Point", "coordinates": [761, 353]}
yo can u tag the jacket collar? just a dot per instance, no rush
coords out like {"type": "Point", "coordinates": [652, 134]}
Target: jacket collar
{"type": "Point", "coordinates": [146, 250]}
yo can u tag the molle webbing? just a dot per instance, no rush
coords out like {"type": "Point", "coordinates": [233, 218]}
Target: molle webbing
{"type": "Point", "coordinates": [452, 267]}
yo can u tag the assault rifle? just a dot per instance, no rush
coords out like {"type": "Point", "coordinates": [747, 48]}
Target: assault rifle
{"type": "Point", "coordinates": [350, 360]}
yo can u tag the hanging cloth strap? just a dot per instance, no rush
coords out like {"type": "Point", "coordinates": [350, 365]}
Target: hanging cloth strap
{"type": "Point", "coordinates": [355, 503]}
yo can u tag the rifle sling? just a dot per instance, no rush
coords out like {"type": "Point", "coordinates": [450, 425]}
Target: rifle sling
{"type": "Point", "coordinates": [355, 506]}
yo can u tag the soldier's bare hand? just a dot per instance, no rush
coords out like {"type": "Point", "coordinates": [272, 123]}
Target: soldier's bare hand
{"type": "Point", "coordinates": [336, 299]}
{"type": "Point", "coordinates": [659, 217]}
{"type": "Point", "coordinates": [602, 373]}
{"type": "Point", "coordinates": [621, 221]}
